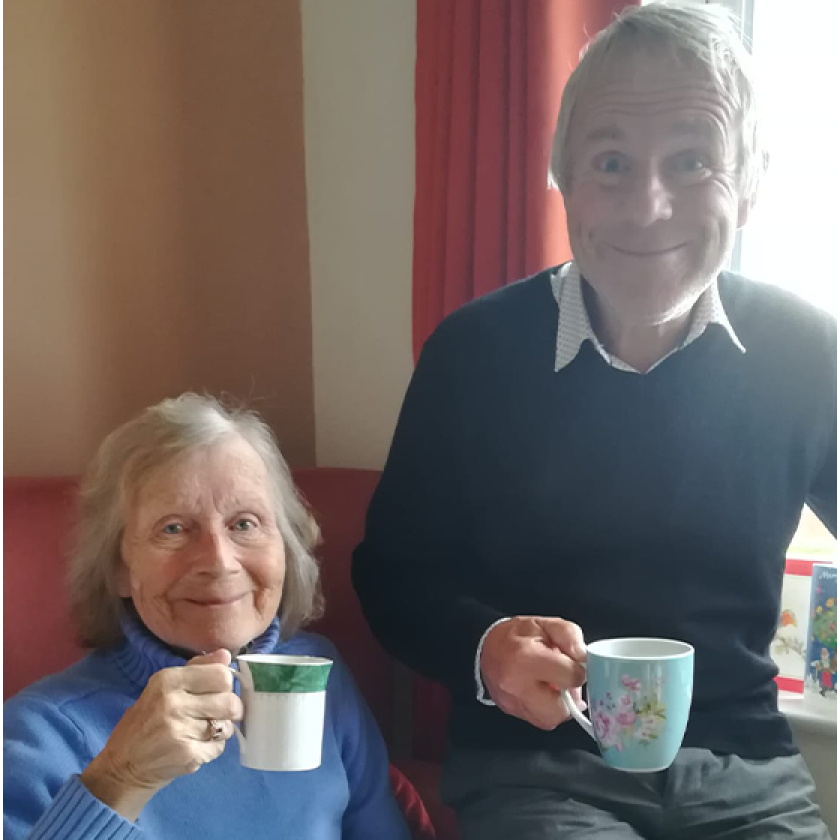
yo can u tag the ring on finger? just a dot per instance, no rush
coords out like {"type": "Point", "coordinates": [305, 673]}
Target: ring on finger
{"type": "Point", "coordinates": [217, 729]}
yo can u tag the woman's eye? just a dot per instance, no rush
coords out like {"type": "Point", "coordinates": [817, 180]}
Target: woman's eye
{"type": "Point", "coordinates": [173, 528]}
{"type": "Point", "coordinates": [244, 525]}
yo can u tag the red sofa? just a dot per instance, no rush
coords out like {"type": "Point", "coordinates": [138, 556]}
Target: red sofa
{"type": "Point", "coordinates": [38, 637]}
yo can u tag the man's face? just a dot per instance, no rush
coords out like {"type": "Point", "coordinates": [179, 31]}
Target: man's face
{"type": "Point", "coordinates": [653, 199]}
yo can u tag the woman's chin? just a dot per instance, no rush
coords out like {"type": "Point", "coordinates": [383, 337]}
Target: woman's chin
{"type": "Point", "coordinates": [206, 641]}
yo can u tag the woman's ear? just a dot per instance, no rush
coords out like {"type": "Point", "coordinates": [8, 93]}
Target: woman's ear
{"type": "Point", "coordinates": [121, 580]}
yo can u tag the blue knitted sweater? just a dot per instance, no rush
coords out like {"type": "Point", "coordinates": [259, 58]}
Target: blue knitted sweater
{"type": "Point", "coordinates": [53, 729]}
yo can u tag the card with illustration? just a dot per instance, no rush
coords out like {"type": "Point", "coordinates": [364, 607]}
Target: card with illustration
{"type": "Point", "coordinates": [789, 648]}
{"type": "Point", "coordinates": [822, 642]}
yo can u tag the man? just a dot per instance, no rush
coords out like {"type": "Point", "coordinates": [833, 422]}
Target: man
{"type": "Point", "coordinates": [618, 447]}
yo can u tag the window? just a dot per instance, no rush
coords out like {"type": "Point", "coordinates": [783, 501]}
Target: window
{"type": "Point", "coordinates": [788, 238]}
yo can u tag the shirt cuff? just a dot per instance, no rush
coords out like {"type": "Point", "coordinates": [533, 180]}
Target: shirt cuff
{"type": "Point", "coordinates": [481, 690]}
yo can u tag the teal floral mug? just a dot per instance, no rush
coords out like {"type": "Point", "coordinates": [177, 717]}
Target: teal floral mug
{"type": "Point", "coordinates": [639, 696]}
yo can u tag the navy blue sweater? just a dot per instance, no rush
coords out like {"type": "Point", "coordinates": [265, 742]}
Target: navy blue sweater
{"type": "Point", "coordinates": [654, 505]}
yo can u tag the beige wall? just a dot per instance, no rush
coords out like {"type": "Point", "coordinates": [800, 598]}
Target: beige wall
{"type": "Point", "coordinates": [358, 60]}
{"type": "Point", "coordinates": [155, 218]}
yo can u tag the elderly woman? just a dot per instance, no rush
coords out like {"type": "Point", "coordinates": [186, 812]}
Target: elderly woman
{"type": "Point", "coordinates": [193, 547]}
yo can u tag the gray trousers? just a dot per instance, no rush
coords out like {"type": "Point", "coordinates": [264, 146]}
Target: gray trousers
{"type": "Point", "coordinates": [500, 795]}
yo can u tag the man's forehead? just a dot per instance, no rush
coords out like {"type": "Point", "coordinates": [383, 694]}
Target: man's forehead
{"type": "Point", "coordinates": [609, 127]}
{"type": "Point", "coordinates": [650, 67]}
{"type": "Point", "coordinates": [683, 102]}
{"type": "Point", "coordinates": [649, 85]}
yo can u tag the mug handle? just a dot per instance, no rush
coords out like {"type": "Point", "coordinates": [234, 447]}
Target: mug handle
{"type": "Point", "coordinates": [576, 713]}
{"type": "Point", "coordinates": [244, 680]}
{"type": "Point", "coordinates": [242, 676]}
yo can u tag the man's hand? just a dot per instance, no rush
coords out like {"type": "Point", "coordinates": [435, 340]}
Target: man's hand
{"type": "Point", "coordinates": [527, 661]}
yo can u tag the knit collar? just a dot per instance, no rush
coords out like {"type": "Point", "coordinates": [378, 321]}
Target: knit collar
{"type": "Point", "coordinates": [142, 654]}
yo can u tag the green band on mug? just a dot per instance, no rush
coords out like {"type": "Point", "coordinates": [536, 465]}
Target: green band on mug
{"type": "Point", "coordinates": [275, 678]}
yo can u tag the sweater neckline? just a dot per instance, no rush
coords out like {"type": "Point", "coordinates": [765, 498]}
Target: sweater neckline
{"type": "Point", "coordinates": [142, 654]}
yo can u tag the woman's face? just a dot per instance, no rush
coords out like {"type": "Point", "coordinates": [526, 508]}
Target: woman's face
{"type": "Point", "coordinates": [202, 557]}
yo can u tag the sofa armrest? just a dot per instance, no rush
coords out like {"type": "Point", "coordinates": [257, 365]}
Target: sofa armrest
{"type": "Point", "coordinates": [425, 777]}
{"type": "Point", "coordinates": [412, 806]}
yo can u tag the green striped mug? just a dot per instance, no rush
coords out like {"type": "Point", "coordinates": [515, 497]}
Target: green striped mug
{"type": "Point", "coordinates": [284, 698]}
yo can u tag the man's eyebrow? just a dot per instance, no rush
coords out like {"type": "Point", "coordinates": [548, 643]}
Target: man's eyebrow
{"type": "Point", "coordinates": [694, 126]}
{"type": "Point", "coordinates": [605, 132]}
{"type": "Point", "coordinates": [685, 126]}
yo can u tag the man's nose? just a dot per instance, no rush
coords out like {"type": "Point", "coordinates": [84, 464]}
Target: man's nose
{"type": "Point", "coordinates": [649, 199]}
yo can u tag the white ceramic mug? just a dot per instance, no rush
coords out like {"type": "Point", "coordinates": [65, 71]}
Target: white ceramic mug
{"type": "Point", "coordinates": [284, 698]}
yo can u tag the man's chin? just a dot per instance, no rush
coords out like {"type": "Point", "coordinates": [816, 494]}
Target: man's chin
{"type": "Point", "coordinates": [651, 310]}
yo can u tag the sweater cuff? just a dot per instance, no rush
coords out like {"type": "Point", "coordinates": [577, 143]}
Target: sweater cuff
{"type": "Point", "coordinates": [481, 689]}
{"type": "Point", "coordinates": [76, 813]}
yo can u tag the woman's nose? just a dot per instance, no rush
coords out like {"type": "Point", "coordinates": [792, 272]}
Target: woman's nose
{"type": "Point", "coordinates": [215, 552]}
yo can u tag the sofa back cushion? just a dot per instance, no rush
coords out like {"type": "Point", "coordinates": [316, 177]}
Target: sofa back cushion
{"type": "Point", "coordinates": [430, 707]}
{"type": "Point", "coordinates": [38, 637]}
{"type": "Point", "coordinates": [339, 499]}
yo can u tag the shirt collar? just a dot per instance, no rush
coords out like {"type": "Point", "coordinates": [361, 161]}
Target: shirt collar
{"type": "Point", "coordinates": [574, 326]}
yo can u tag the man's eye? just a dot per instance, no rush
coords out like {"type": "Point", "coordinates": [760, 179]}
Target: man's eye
{"type": "Point", "coordinates": [689, 163]}
{"type": "Point", "coordinates": [244, 525]}
{"type": "Point", "coordinates": [611, 164]}
{"type": "Point", "coordinates": [173, 528]}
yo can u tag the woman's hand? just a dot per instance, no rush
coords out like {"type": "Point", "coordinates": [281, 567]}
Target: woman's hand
{"type": "Point", "coordinates": [166, 733]}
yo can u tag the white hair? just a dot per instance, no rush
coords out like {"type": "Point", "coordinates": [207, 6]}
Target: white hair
{"type": "Point", "coordinates": [703, 36]}
{"type": "Point", "coordinates": [127, 458]}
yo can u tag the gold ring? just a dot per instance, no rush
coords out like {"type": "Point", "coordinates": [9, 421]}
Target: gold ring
{"type": "Point", "coordinates": [217, 730]}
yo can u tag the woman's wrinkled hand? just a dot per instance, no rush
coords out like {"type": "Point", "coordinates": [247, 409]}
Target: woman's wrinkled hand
{"type": "Point", "coordinates": [166, 733]}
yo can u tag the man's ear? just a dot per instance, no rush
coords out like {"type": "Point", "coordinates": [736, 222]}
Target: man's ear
{"type": "Point", "coordinates": [747, 202]}
{"type": "Point", "coordinates": [745, 206]}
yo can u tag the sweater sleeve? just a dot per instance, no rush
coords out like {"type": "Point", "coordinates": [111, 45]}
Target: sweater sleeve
{"type": "Point", "coordinates": [822, 498]}
{"type": "Point", "coordinates": [410, 569]}
{"type": "Point", "coordinates": [43, 799]}
{"type": "Point", "coordinates": [822, 495]}
{"type": "Point", "coordinates": [372, 810]}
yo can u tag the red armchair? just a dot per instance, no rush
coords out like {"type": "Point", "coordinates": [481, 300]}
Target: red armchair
{"type": "Point", "coordinates": [38, 636]}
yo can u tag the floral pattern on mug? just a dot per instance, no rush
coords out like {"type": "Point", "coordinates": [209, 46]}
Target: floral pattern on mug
{"type": "Point", "coordinates": [633, 715]}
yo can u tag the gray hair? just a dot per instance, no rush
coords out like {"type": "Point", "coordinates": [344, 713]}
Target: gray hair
{"type": "Point", "coordinates": [127, 457]}
{"type": "Point", "coordinates": [705, 36]}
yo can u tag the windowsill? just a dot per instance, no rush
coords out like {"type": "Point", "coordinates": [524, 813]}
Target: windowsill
{"type": "Point", "coordinates": [812, 712]}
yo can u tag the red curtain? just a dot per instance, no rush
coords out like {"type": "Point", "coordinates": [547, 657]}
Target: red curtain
{"type": "Point", "coordinates": [489, 76]}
